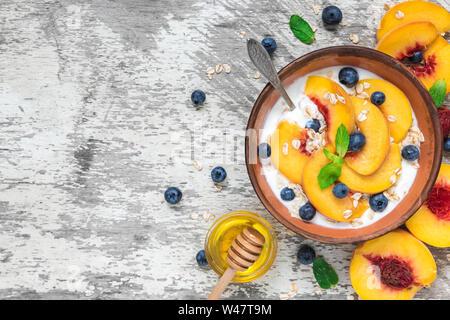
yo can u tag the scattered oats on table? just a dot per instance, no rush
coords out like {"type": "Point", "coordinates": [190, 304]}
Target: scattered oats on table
{"type": "Point", "coordinates": [219, 68]}
{"type": "Point", "coordinates": [316, 8]}
{"type": "Point", "coordinates": [218, 187]}
{"type": "Point", "coordinates": [226, 68]}
{"type": "Point", "coordinates": [210, 70]}
{"type": "Point", "coordinates": [354, 38]}
{"type": "Point", "coordinates": [197, 166]}
{"type": "Point", "coordinates": [210, 76]}
{"type": "Point", "coordinates": [387, 6]}
{"type": "Point", "coordinates": [257, 75]}
{"type": "Point", "coordinates": [242, 34]}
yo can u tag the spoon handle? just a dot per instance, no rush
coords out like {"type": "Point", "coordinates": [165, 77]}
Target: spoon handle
{"type": "Point", "coordinates": [261, 59]}
{"type": "Point", "coordinates": [221, 285]}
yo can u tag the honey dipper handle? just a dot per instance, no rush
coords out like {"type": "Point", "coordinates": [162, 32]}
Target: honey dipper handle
{"type": "Point", "coordinates": [222, 283]}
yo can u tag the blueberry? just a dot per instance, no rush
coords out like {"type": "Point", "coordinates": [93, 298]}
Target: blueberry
{"type": "Point", "coordinates": [201, 258]}
{"type": "Point", "coordinates": [313, 124]}
{"type": "Point", "coordinates": [410, 152]}
{"type": "Point", "coordinates": [269, 44]}
{"type": "Point", "coordinates": [378, 98]}
{"type": "Point", "coordinates": [357, 141]}
{"type": "Point", "coordinates": [447, 145]}
{"type": "Point", "coordinates": [198, 97]}
{"type": "Point", "coordinates": [416, 57]}
{"type": "Point", "coordinates": [173, 195]}
{"type": "Point", "coordinates": [340, 190]}
{"type": "Point", "coordinates": [264, 150]}
{"type": "Point", "coordinates": [378, 202]}
{"type": "Point", "coordinates": [287, 194]}
{"type": "Point", "coordinates": [332, 15]}
{"type": "Point", "coordinates": [218, 174]}
{"type": "Point", "coordinates": [307, 212]}
{"type": "Point", "coordinates": [348, 77]}
{"type": "Point", "coordinates": [306, 254]}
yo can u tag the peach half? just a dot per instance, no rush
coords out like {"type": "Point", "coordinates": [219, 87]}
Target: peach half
{"type": "Point", "coordinates": [289, 155]}
{"type": "Point", "coordinates": [412, 11]}
{"type": "Point", "coordinates": [371, 122]}
{"type": "Point", "coordinates": [406, 39]}
{"type": "Point", "coordinates": [436, 64]}
{"type": "Point", "coordinates": [396, 105]}
{"type": "Point", "coordinates": [324, 200]}
{"type": "Point", "coordinates": [431, 223]}
{"type": "Point", "coordinates": [392, 267]}
{"type": "Point", "coordinates": [378, 181]}
{"type": "Point", "coordinates": [333, 102]}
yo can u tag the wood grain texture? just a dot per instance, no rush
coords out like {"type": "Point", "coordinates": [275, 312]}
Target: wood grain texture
{"type": "Point", "coordinates": [96, 122]}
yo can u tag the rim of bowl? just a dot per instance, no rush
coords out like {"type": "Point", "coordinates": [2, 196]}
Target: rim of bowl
{"type": "Point", "coordinates": [372, 54]}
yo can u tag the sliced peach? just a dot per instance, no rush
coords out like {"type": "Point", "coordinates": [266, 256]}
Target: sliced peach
{"type": "Point", "coordinates": [324, 200]}
{"type": "Point", "coordinates": [431, 223]}
{"type": "Point", "coordinates": [375, 128]}
{"type": "Point", "coordinates": [378, 181]}
{"type": "Point", "coordinates": [287, 159]}
{"type": "Point", "coordinates": [436, 64]}
{"type": "Point", "coordinates": [392, 267]}
{"type": "Point", "coordinates": [333, 102]}
{"type": "Point", "coordinates": [414, 11]}
{"type": "Point", "coordinates": [396, 105]}
{"type": "Point", "coordinates": [406, 39]}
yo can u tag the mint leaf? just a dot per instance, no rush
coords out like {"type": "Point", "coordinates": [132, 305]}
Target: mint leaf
{"type": "Point", "coordinates": [325, 275]}
{"type": "Point", "coordinates": [329, 174]}
{"type": "Point", "coordinates": [301, 29]}
{"type": "Point", "coordinates": [437, 92]}
{"type": "Point", "coordinates": [334, 158]}
{"type": "Point", "coordinates": [342, 141]}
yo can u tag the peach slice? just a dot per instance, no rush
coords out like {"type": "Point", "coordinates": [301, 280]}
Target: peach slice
{"type": "Point", "coordinates": [392, 267]}
{"type": "Point", "coordinates": [406, 39]}
{"type": "Point", "coordinates": [375, 128]}
{"type": "Point", "coordinates": [436, 64]}
{"type": "Point", "coordinates": [324, 200]}
{"type": "Point", "coordinates": [431, 223]}
{"type": "Point", "coordinates": [287, 159]}
{"type": "Point", "coordinates": [333, 102]}
{"type": "Point", "coordinates": [378, 181]}
{"type": "Point", "coordinates": [414, 11]}
{"type": "Point", "coordinates": [396, 105]}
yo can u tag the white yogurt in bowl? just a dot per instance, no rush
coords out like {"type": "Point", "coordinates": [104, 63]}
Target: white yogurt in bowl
{"type": "Point", "coordinates": [300, 115]}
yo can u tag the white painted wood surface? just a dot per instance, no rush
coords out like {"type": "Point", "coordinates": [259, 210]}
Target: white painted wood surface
{"type": "Point", "coordinates": [96, 122]}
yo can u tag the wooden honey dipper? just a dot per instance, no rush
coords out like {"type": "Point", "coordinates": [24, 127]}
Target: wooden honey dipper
{"type": "Point", "coordinates": [244, 251]}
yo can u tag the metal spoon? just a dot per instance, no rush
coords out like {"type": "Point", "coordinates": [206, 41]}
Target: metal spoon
{"type": "Point", "coordinates": [261, 59]}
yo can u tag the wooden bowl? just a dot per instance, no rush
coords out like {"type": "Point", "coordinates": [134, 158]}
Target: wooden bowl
{"type": "Point", "coordinates": [424, 108]}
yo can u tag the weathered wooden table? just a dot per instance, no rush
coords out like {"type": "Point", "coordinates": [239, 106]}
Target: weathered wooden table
{"type": "Point", "coordinates": [96, 122]}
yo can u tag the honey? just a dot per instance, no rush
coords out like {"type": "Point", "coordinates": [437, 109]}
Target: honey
{"type": "Point", "coordinates": [221, 235]}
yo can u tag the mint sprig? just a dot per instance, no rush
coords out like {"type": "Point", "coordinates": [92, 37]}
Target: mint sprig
{"type": "Point", "coordinates": [437, 92]}
{"type": "Point", "coordinates": [325, 275]}
{"type": "Point", "coordinates": [301, 29]}
{"type": "Point", "coordinates": [332, 171]}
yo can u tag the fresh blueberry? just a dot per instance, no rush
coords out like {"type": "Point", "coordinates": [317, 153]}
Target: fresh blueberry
{"type": "Point", "coordinates": [416, 57]}
{"type": "Point", "coordinates": [306, 254]}
{"type": "Point", "coordinates": [340, 190]}
{"type": "Point", "coordinates": [307, 212]}
{"type": "Point", "coordinates": [410, 152]}
{"type": "Point", "coordinates": [218, 174]}
{"type": "Point", "coordinates": [264, 150]}
{"type": "Point", "coordinates": [313, 124]}
{"type": "Point", "coordinates": [287, 194]}
{"type": "Point", "coordinates": [332, 15]}
{"type": "Point", "coordinates": [201, 258]}
{"type": "Point", "coordinates": [173, 195]}
{"type": "Point", "coordinates": [357, 141]}
{"type": "Point", "coordinates": [270, 45]}
{"type": "Point", "coordinates": [198, 97]}
{"type": "Point", "coordinates": [378, 98]}
{"type": "Point", "coordinates": [378, 202]}
{"type": "Point", "coordinates": [348, 77]}
{"type": "Point", "coordinates": [447, 145]}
